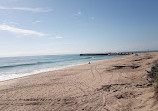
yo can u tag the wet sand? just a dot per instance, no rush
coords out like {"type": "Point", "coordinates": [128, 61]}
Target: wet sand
{"type": "Point", "coordinates": [117, 84]}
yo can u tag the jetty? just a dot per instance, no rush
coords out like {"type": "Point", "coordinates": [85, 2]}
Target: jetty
{"type": "Point", "coordinates": [116, 53]}
{"type": "Point", "coordinates": [108, 54]}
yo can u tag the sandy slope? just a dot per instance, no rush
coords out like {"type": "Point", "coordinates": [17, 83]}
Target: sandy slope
{"type": "Point", "coordinates": [111, 85]}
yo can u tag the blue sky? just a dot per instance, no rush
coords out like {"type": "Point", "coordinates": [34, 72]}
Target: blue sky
{"type": "Point", "coordinates": [41, 27]}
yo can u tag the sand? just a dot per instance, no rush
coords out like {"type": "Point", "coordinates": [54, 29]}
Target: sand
{"type": "Point", "coordinates": [117, 84]}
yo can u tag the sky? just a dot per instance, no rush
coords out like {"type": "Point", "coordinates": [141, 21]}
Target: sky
{"type": "Point", "coordinates": [50, 27]}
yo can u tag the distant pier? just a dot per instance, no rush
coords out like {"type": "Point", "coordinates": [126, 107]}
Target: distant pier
{"type": "Point", "coordinates": [110, 54]}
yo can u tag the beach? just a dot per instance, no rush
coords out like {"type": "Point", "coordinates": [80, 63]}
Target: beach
{"type": "Point", "coordinates": [117, 84]}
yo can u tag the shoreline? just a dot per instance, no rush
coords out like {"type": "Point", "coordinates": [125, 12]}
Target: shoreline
{"type": "Point", "coordinates": [54, 69]}
{"type": "Point", "coordinates": [111, 84]}
{"type": "Point", "coordinates": [30, 74]}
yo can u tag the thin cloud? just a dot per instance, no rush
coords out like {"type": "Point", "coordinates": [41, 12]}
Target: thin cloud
{"type": "Point", "coordinates": [58, 37]}
{"type": "Point", "coordinates": [37, 21]}
{"type": "Point", "coordinates": [78, 13]}
{"type": "Point", "coordinates": [92, 18]}
{"type": "Point", "coordinates": [21, 31]}
{"type": "Point", "coordinates": [15, 23]}
{"type": "Point", "coordinates": [26, 9]}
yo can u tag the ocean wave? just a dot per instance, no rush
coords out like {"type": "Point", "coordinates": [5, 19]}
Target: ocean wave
{"type": "Point", "coordinates": [25, 64]}
{"type": "Point", "coordinates": [14, 75]}
{"type": "Point", "coordinates": [37, 63]}
{"type": "Point", "coordinates": [87, 58]}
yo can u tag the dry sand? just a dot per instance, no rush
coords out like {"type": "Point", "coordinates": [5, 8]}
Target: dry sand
{"type": "Point", "coordinates": [111, 85]}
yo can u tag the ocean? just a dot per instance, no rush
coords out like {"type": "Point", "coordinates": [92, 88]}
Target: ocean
{"type": "Point", "coordinates": [14, 67]}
